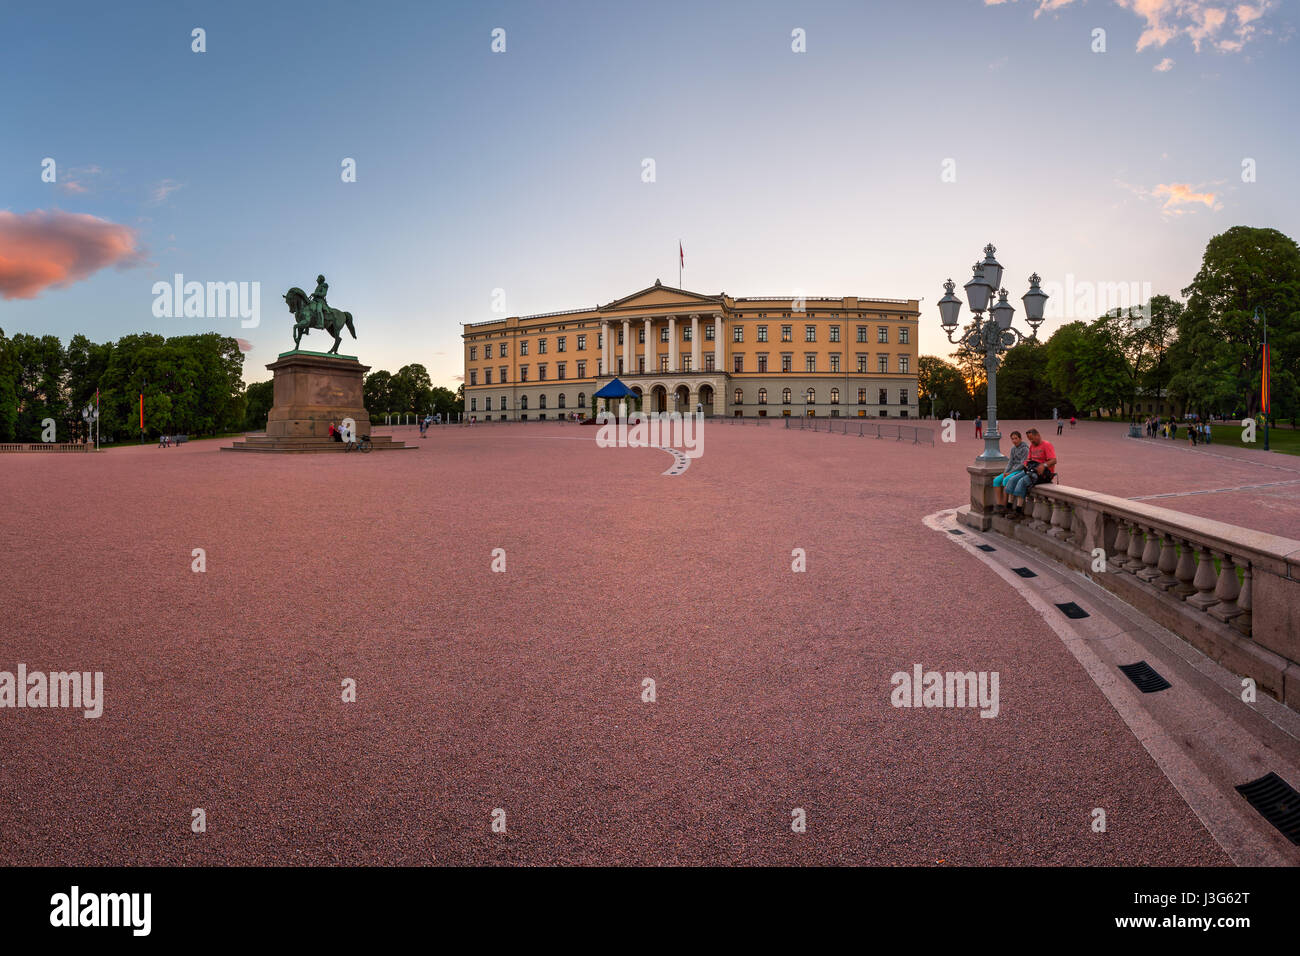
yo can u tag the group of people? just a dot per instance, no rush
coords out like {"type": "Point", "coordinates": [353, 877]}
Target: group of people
{"type": "Point", "coordinates": [1028, 464]}
{"type": "Point", "coordinates": [428, 420]}
{"type": "Point", "coordinates": [1198, 433]}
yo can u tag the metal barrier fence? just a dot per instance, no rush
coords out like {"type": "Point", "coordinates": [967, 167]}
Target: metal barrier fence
{"type": "Point", "coordinates": [45, 446]}
{"type": "Point", "coordinates": [863, 428]}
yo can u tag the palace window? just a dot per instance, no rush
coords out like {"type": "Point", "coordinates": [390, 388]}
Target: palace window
{"type": "Point", "coordinates": [502, 350]}
{"type": "Point", "coordinates": [559, 369]}
{"type": "Point", "coordinates": [738, 333]}
{"type": "Point", "coordinates": [762, 363]}
{"type": "Point", "coordinates": [640, 335]}
{"type": "Point", "coordinates": [473, 353]}
{"type": "Point", "coordinates": [762, 333]}
{"type": "Point", "coordinates": [884, 397]}
{"type": "Point", "coordinates": [541, 346]}
{"type": "Point", "coordinates": [810, 363]}
{"type": "Point", "coordinates": [523, 403]}
{"type": "Point", "coordinates": [620, 366]}
{"type": "Point", "coordinates": [710, 333]}
{"type": "Point", "coordinates": [787, 333]}
{"type": "Point", "coordinates": [663, 363]}
{"type": "Point", "coordinates": [902, 396]}
{"type": "Point", "coordinates": [686, 333]}
{"type": "Point", "coordinates": [882, 334]}
{"type": "Point", "coordinates": [902, 334]}
{"type": "Point", "coordinates": [738, 397]}
{"type": "Point", "coordinates": [663, 334]}
{"type": "Point", "coordinates": [762, 396]}
{"type": "Point", "coordinates": [862, 396]}
{"type": "Point", "coordinates": [503, 403]}
{"type": "Point", "coordinates": [738, 363]}
{"type": "Point", "coordinates": [882, 363]}
{"type": "Point", "coordinates": [487, 350]}
{"type": "Point", "coordinates": [562, 399]}
{"type": "Point", "coordinates": [903, 362]}
{"type": "Point", "coordinates": [523, 347]}
{"type": "Point", "coordinates": [582, 399]}
{"type": "Point", "coordinates": [862, 363]}
{"type": "Point", "coordinates": [541, 372]}
{"type": "Point", "coordinates": [505, 373]}
{"type": "Point", "coordinates": [559, 342]}
{"type": "Point", "coordinates": [862, 333]}
{"type": "Point", "coordinates": [582, 369]}
{"type": "Point", "coordinates": [620, 336]}
{"type": "Point", "coordinates": [785, 396]}
{"type": "Point", "coordinates": [811, 396]}
{"type": "Point", "coordinates": [541, 400]}
{"type": "Point", "coordinates": [810, 333]}
{"type": "Point", "coordinates": [835, 396]}
{"type": "Point", "coordinates": [785, 362]}
{"type": "Point", "coordinates": [582, 343]}
{"type": "Point", "coordinates": [835, 333]}
{"type": "Point", "coordinates": [523, 373]}
{"type": "Point", "coordinates": [473, 376]}
{"type": "Point", "coordinates": [473, 404]}
{"type": "Point", "coordinates": [487, 404]}
{"type": "Point", "coordinates": [686, 363]}
{"type": "Point", "coordinates": [600, 340]}
{"type": "Point", "coordinates": [640, 364]}
{"type": "Point", "coordinates": [835, 362]}
{"type": "Point", "coordinates": [708, 361]}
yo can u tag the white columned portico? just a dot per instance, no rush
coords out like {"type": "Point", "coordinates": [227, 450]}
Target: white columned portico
{"type": "Point", "coordinates": [604, 348]}
{"type": "Point", "coordinates": [649, 349]}
{"type": "Point", "coordinates": [719, 351]}
{"type": "Point", "coordinates": [672, 344]}
{"type": "Point", "coordinates": [695, 343]}
{"type": "Point", "coordinates": [627, 347]}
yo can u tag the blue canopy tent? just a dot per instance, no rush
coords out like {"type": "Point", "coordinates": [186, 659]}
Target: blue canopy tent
{"type": "Point", "coordinates": [615, 389]}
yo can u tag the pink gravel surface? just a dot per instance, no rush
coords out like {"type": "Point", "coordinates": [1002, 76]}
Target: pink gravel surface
{"type": "Point", "coordinates": [522, 690]}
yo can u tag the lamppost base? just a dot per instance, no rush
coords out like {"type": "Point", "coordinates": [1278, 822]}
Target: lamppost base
{"type": "Point", "coordinates": [983, 496]}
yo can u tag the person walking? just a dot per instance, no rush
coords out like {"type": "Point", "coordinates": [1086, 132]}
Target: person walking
{"type": "Point", "coordinates": [979, 427]}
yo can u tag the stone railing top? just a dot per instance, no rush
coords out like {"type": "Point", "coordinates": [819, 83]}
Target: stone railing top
{"type": "Point", "coordinates": [1273, 552]}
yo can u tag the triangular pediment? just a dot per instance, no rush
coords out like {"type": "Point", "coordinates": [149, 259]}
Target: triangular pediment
{"type": "Point", "coordinates": [659, 296]}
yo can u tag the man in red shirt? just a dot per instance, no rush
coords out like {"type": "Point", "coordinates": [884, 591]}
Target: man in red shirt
{"type": "Point", "coordinates": [1040, 466]}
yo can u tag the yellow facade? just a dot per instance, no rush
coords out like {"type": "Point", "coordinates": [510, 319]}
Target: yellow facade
{"type": "Point", "coordinates": [681, 350]}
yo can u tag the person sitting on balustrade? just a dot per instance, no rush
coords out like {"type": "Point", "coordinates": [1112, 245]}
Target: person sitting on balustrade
{"type": "Point", "coordinates": [1015, 463]}
{"type": "Point", "coordinates": [1040, 468]}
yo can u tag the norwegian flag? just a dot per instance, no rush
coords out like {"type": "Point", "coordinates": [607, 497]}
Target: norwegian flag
{"type": "Point", "coordinates": [681, 254]}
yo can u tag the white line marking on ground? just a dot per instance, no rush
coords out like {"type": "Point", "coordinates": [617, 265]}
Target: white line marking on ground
{"type": "Point", "coordinates": [1215, 491]}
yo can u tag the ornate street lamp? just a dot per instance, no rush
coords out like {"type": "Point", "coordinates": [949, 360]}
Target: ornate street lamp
{"type": "Point", "coordinates": [992, 336]}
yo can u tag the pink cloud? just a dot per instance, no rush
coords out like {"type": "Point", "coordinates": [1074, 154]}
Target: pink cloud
{"type": "Point", "coordinates": [1182, 194]}
{"type": "Point", "coordinates": [40, 250]}
{"type": "Point", "coordinates": [1226, 28]}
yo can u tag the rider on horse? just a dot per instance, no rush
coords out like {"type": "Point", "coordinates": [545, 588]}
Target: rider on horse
{"type": "Point", "coordinates": [318, 300]}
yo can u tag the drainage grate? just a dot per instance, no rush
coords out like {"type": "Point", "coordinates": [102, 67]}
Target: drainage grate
{"type": "Point", "coordinates": [1145, 677]}
{"type": "Point", "coordinates": [1072, 610]}
{"type": "Point", "coordinates": [1025, 572]}
{"type": "Point", "coordinates": [986, 547]}
{"type": "Point", "coordinates": [955, 531]}
{"type": "Point", "coordinates": [1277, 801]}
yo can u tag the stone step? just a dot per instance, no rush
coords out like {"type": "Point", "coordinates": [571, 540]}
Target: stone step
{"type": "Point", "coordinates": [306, 446]}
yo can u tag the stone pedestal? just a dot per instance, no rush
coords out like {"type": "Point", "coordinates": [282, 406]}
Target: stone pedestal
{"type": "Point", "coordinates": [983, 496]}
{"type": "Point", "coordinates": [312, 390]}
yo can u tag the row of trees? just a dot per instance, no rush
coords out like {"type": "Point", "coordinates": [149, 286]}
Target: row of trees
{"type": "Point", "coordinates": [410, 390]}
{"type": "Point", "coordinates": [1202, 355]}
{"type": "Point", "coordinates": [191, 384]}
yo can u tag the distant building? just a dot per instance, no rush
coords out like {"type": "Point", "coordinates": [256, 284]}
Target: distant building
{"type": "Point", "coordinates": [850, 356]}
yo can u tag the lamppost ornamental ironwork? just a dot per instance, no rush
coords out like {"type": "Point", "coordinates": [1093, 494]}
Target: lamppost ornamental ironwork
{"type": "Point", "coordinates": [992, 336]}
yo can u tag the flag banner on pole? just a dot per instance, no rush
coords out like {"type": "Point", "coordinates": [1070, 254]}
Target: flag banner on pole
{"type": "Point", "coordinates": [1264, 383]}
{"type": "Point", "coordinates": [681, 254]}
{"type": "Point", "coordinates": [142, 411]}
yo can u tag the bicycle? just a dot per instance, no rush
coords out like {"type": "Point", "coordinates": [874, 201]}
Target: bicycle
{"type": "Point", "coordinates": [363, 445]}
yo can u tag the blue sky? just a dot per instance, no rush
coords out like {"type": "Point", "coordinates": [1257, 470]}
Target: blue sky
{"type": "Point", "coordinates": [779, 171]}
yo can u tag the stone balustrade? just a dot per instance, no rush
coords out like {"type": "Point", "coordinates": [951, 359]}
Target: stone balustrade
{"type": "Point", "coordinates": [1231, 592]}
{"type": "Point", "coordinates": [44, 446]}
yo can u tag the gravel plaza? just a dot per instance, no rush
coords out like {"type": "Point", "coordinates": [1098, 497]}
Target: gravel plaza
{"type": "Point", "coordinates": [523, 689]}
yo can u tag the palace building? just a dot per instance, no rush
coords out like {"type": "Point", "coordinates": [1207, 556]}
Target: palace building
{"type": "Point", "coordinates": [755, 357]}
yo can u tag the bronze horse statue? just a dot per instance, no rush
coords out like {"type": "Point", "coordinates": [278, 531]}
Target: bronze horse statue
{"type": "Point", "coordinates": [307, 318]}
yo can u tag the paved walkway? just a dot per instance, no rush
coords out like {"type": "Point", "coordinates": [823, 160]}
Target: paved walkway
{"type": "Point", "coordinates": [522, 690]}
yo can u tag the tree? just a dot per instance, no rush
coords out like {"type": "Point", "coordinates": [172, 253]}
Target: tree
{"type": "Point", "coordinates": [376, 393]}
{"type": "Point", "coordinates": [1024, 390]}
{"type": "Point", "coordinates": [1216, 358]}
{"type": "Point", "coordinates": [258, 399]}
{"type": "Point", "coordinates": [8, 390]}
{"type": "Point", "coordinates": [40, 386]}
{"type": "Point", "coordinates": [946, 382]}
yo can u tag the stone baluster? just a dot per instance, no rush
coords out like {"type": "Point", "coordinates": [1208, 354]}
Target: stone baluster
{"type": "Point", "coordinates": [1150, 556]}
{"type": "Point", "coordinates": [1060, 520]}
{"type": "Point", "coordinates": [1133, 564]}
{"type": "Point", "coordinates": [1227, 591]}
{"type": "Point", "coordinates": [1204, 581]}
{"type": "Point", "coordinates": [1167, 563]}
{"type": "Point", "coordinates": [1186, 570]}
{"type": "Point", "coordinates": [1120, 548]}
{"type": "Point", "coordinates": [1242, 621]}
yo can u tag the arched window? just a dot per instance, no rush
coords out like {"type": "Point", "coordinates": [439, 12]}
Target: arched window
{"type": "Point", "coordinates": [785, 396]}
{"type": "Point", "coordinates": [562, 400]}
{"type": "Point", "coordinates": [582, 399]}
{"type": "Point", "coordinates": [523, 402]}
{"type": "Point", "coordinates": [739, 397]}
{"type": "Point", "coordinates": [835, 396]}
{"type": "Point", "coordinates": [541, 401]}
{"type": "Point", "coordinates": [812, 396]}
{"type": "Point", "coordinates": [762, 396]}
